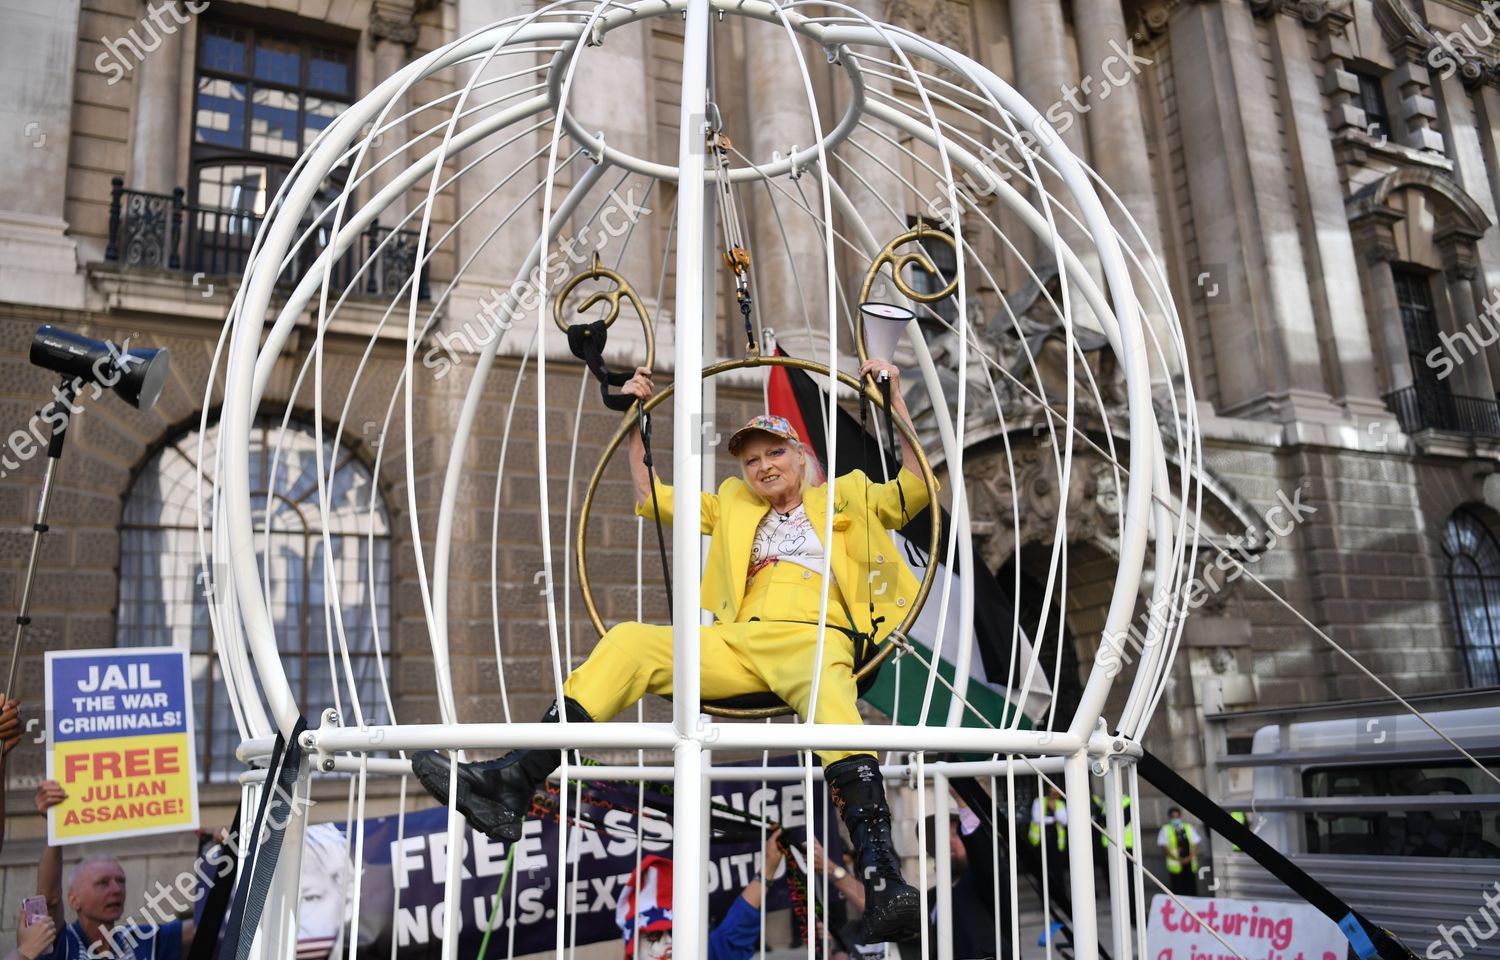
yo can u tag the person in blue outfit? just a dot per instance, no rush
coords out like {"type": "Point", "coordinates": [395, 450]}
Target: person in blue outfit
{"type": "Point", "coordinates": [644, 912]}
{"type": "Point", "coordinates": [96, 894]}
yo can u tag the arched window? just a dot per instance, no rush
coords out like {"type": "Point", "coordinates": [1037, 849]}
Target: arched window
{"type": "Point", "coordinates": [163, 600]}
{"type": "Point", "coordinates": [1471, 570]}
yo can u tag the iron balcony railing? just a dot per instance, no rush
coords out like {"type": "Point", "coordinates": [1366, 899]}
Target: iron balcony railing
{"type": "Point", "coordinates": [164, 232]}
{"type": "Point", "coordinates": [1427, 407]}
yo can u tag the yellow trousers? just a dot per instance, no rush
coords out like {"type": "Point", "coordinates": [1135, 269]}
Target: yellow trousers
{"type": "Point", "coordinates": [764, 650]}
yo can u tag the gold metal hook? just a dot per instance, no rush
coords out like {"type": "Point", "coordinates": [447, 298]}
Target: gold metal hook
{"type": "Point", "coordinates": [897, 263]}
{"type": "Point", "coordinates": [598, 271]}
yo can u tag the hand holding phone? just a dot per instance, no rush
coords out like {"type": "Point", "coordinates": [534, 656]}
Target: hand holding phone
{"type": "Point", "coordinates": [33, 909]}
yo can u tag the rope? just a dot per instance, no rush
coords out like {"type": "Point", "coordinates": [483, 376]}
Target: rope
{"type": "Point", "coordinates": [736, 256]}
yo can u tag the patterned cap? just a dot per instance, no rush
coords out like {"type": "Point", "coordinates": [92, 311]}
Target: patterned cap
{"type": "Point", "coordinates": [646, 902]}
{"type": "Point", "coordinates": [765, 423]}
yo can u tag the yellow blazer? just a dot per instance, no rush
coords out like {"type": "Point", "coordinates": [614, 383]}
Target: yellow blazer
{"type": "Point", "coordinates": [865, 563]}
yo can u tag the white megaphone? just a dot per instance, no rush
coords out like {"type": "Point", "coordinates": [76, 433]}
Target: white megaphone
{"type": "Point", "coordinates": [884, 324]}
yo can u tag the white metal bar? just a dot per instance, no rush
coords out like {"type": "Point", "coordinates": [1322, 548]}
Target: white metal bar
{"type": "Point", "coordinates": [1119, 899]}
{"type": "Point", "coordinates": [944, 856]}
{"type": "Point", "coordinates": [689, 900]}
{"type": "Point", "coordinates": [655, 736]}
{"type": "Point", "coordinates": [1081, 856]}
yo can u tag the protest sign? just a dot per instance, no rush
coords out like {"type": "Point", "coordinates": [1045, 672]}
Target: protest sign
{"type": "Point", "coordinates": [406, 864]}
{"type": "Point", "coordinates": [121, 727]}
{"type": "Point", "coordinates": [1254, 929]}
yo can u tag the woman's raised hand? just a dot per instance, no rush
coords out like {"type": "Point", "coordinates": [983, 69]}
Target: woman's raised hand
{"type": "Point", "coordinates": [873, 368]}
{"type": "Point", "coordinates": [640, 385]}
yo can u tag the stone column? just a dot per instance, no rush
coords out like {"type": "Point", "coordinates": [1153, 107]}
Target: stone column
{"type": "Point", "coordinates": [39, 46]}
{"type": "Point", "coordinates": [500, 250]}
{"type": "Point", "coordinates": [1460, 266]}
{"type": "Point", "coordinates": [1250, 256]}
{"type": "Point", "coordinates": [391, 34]}
{"type": "Point", "coordinates": [612, 87]}
{"type": "Point", "coordinates": [1468, 126]}
{"type": "Point", "coordinates": [158, 115]}
{"type": "Point", "coordinates": [1333, 274]}
{"type": "Point", "coordinates": [790, 276]}
{"type": "Point", "coordinates": [1045, 76]}
{"type": "Point", "coordinates": [1117, 133]}
{"type": "Point", "coordinates": [1378, 251]}
{"type": "Point", "coordinates": [1044, 65]}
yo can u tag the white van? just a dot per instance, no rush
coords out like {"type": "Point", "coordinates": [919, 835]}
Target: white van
{"type": "Point", "coordinates": [1369, 800]}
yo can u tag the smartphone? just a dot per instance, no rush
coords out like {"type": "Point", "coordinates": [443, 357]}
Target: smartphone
{"type": "Point", "coordinates": [33, 909]}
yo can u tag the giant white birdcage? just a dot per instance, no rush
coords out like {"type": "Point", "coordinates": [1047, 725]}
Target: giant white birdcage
{"type": "Point", "coordinates": [481, 142]}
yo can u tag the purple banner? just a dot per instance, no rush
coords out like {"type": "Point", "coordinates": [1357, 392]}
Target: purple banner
{"type": "Point", "coordinates": [406, 868]}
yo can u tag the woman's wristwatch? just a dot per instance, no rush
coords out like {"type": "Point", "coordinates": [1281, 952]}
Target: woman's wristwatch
{"type": "Point", "coordinates": [839, 873]}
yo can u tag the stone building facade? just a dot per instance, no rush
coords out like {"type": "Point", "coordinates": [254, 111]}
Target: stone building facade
{"type": "Point", "coordinates": [1321, 179]}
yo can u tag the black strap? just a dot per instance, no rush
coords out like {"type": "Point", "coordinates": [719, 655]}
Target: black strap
{"type": "Point", "coordinates": [220, 889]}
{"type": "Point", "coordinates": [587, 341]}
{"type": "Point", "coordinates": [894, 439]}
{"type": "Point", "coordinates": [263, 846]}
{"type": "Point", "coordinates": [661, 538]}
{"type": "Point", "coordinates": [1367, 939]}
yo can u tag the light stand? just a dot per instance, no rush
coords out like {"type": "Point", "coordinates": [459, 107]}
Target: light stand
{"type": "Point", "coordinates": [136, 375]}
{"type": "Point", "coordinates": [67, 393]}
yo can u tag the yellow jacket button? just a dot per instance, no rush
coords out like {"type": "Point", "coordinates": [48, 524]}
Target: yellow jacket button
{"type": "Point", "coordinates": [879, 558]}
{"type": "Point", "coordinates": [900, 601]}
{"type": "Point", "coordinates": [806, 574]}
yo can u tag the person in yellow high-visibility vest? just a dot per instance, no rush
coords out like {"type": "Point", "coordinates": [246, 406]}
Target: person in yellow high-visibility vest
{"type": "Point", "coordinates": [1102, 861]}
{"type": "Point", "coordinates": [1129, 824]}
{"type": "Point", "coordinates": [1049, 821]}
{"type": "Point", "coordinates": [1179, 842]}
{"type": "Point", "coordinates": [1239, 817]}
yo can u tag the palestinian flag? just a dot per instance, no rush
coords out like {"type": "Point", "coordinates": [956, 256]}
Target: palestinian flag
{"type": "Point", "coordinates": [898, 692]}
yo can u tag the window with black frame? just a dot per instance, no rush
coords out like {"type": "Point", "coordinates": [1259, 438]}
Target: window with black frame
{"type": "Point", "coordinates": [1444, 810]}
{"type": "Point", "coordinates": [261, 97]}
{"type": "Point", "coordinates": [1372, 101]}
{"type": "Point", "coordinates": [1471, 573]}
{"type": "Point", "coordinates": [308, 557]}
{"type": "Point", "coordinates": [1430, 404]}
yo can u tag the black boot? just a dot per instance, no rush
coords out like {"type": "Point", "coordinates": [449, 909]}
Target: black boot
{"type": "Point", "coordinates": [495, 795]}
{"type": "Point", "coordinates": [892, 906]}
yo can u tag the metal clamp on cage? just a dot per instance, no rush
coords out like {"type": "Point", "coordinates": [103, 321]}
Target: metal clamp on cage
{"type": "Point", "coordinates": [588, 340]}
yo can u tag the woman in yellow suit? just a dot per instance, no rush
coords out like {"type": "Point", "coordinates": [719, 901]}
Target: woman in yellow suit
{"type": "Point", "coordinates": [763, 584]}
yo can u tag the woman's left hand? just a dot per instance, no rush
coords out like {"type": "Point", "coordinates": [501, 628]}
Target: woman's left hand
{"type": "Point", "coordinates": [873, 368]}
{"type": "Point", "coordinates": [771, 856]}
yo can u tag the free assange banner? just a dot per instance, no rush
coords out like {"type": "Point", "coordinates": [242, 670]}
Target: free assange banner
{"type": "Point", "coordinates": [412, 863]}
{"type": "Point", "coordinates": [120, 723]}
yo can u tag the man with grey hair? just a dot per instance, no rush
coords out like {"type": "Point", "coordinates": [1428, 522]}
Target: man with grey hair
{"type": "Point", "coordinates": [96, 894]}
